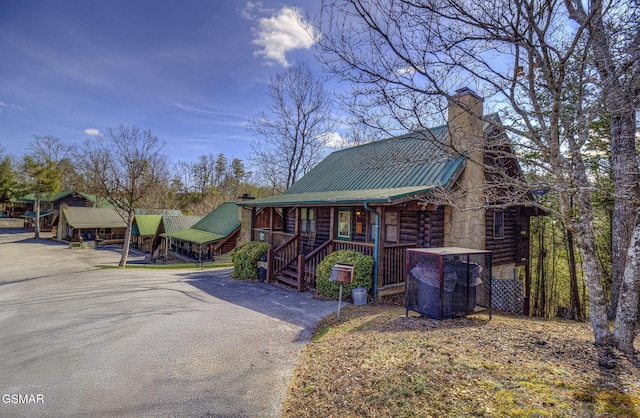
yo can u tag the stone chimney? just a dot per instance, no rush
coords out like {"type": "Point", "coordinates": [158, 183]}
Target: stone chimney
{"type": "Point", "coordinates": [244, 216]}
{"type": "Point", "coordinates": [465, 219]}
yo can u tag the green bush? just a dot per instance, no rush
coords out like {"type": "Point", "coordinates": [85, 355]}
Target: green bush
{"type": "Point", "coordinates": [245, 259]}
{"type": "Point", "coordinates": [362, 273]}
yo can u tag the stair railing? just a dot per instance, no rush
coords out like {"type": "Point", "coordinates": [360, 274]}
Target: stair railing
{"type": "Point", "coordinates": [282, 257]}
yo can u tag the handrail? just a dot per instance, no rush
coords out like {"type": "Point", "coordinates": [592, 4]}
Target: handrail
{"type": "Point", "coordinates": [318, 250]}
{"type": "Point", "coordinates": [284, 248]}
{"type": "Point", "coordinates": [404, 245]}
{"type": "Point", "coordinates": [289, 241]}
{"type": "Point", "coordinates": [311, 262]}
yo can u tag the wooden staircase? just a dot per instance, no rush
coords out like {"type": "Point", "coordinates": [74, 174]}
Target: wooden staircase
{"type": "Point", "coordinates": [289, 278]}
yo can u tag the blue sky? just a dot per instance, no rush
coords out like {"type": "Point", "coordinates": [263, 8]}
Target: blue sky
{"type": "Point", "coordinates": [192, 71]}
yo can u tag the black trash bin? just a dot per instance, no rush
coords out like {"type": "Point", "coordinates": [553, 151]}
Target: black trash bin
{"type": "Point", "coordinates": [262, 271]}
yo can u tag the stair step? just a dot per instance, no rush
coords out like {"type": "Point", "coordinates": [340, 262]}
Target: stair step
{"type": "Point", "coordinates": [289, 273]}
{"type": "Point", "coordinates": [288, 280]}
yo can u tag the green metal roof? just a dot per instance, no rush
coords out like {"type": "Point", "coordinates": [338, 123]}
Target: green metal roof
{"type": "Point", "coordinates": [194, 235]}
{"type": "Point", "coordinates": [53, 197]}
{"type": "Point", "coordinates": [146, 224]}
{"type": "Point", "coordinates": [221, 221]}
{"type": "Point", "coordinates": [217, 225]}
{"type": "Point", "coordinates": [177, 223]}
{"type": "Point", "coordinates": [377, 172]}
{"type": "Point", "coordinates": [79, 217]}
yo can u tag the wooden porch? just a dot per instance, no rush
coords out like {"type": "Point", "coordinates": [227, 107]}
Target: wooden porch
{"type": "Point", "coordinates": [293, 263]}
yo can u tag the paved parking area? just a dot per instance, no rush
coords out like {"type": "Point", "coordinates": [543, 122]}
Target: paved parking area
{"type": "Point", "coordinates": [77, 340]}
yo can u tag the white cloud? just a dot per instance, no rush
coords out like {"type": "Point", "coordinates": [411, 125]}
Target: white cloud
{"type": "Point", "coordinates": [92, 131]}
{"type": "Point", "coordinates": [251, 9]}
{"type": "Point", "coordinates": [279, 34]}
{"type": "Point", "coordinates": [19, 108]}
{"type": "Point", "coordinates": [335, 140]}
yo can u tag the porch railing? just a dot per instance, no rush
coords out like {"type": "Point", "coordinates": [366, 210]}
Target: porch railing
{"type": "Point", "coordinates": [391, 260]}
{"type": "Point", "coordinates": [311, 262]}
{"type": "Point", "coordinates": [282, 257]}
{"type": "Point", "coordinates": [393, 265]}
{"type": "Point", "coordinates": [361, 247]}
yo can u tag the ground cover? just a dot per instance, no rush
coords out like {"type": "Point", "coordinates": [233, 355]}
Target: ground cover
{"type": "Point", "coordinates": [375, 362]}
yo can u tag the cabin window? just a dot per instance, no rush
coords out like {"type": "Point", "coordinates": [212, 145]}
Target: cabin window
{"type": "Point", "coordinates": [344, 224]}
{"type": "Point", "coordinates": [498, 224]}
{"type": "Point", "coordinates": [307, 220]}
{"type": "Point", "coordinates": [391, 227]}
{"type": "Point", "coordinates": [372, 227]}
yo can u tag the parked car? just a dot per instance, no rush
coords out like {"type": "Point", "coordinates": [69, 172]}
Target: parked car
{"type": "Point", "coordinates": [4, 215]}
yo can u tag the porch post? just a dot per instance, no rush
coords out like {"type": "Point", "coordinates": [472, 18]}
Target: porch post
{"type": "Point", "coordinates": [271, 210]}
{"type": "Point", "coordinates": [269, 264]}
{"type": "Point", "coordinates": [376, 250]}
{"type": "Point", "coordinates": [332, 223]}
{"type": "Point", "coordinates": [252, 223]}
{"type": "Point", "coordinates": [296, 230]}
{"type": "Point", "coordinates": [300, 273]}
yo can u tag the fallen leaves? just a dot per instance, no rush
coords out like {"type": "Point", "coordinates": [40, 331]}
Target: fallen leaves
{"type": "Point", "coordinates": [374, 361]}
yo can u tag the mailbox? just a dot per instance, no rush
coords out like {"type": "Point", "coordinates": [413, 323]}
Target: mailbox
{"type": "Point", "coordinates": [342, 273]}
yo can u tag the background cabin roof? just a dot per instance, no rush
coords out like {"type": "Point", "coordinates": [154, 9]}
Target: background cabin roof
{"type": "Point", "coordinates": [196, 236]}
{"type": "Point", "coordinates": [146, 224]}
{"type": "Point", "coordinates": [79, 217]}
{"type": "Point", "coordinates": [217, 225]}
{"type": "Point", "coordinates": [30, 198]}
{"type": "Point", "coordinates": [176, 223]}
{"type": "Point", "coordinates": [223, 220]}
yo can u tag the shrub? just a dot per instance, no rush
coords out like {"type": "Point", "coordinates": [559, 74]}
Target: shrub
{"type": "Point", "coordinates": [245, 259]}
{"type": "Point", "coordinates": [362, 273]}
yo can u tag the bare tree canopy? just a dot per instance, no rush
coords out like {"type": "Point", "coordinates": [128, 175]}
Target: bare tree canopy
{"type": "Point", "coordinates": [123, 166]}
{"type": "Point", "coordinates": [290, 138]}
{"type": "Point", "coordinates": [551, 69]}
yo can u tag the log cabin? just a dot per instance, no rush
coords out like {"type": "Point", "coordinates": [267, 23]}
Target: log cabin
{"type": "Point", "coordinates": [384, 197]}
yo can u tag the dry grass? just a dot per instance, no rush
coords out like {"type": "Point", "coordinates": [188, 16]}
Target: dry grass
{"type": "Point", "coordinates": [375, 362]}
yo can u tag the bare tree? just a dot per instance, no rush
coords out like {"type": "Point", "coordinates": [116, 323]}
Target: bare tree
{"type": "Point", "coordinates": [125, 165]}
{"type": "Point", "coordinates": [290, 139]}
{"type": "Point", "coordinates": [544, 67]}
{"type": "Point", "coordinates": [614, 36]}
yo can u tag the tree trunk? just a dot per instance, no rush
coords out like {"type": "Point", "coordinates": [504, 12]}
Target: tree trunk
{"type": "Point", "coordinates": [36, 217]}
{"type": "Point", "coordinates": [625, 325]}
{"type": "Point", "coordinates": [586, 240]}
{"type": "Point", "coordinates": [540, 299]}
{"type": "Point", "coordinates": [127, 239]}
{"type": "Point", "coordinates": [576, 309]}
{"type": "Point", "coordinates": [625, 169]}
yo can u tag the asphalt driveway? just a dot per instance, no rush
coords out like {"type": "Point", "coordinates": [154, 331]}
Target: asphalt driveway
{"type": "Point", "coordinates": [78, 340]}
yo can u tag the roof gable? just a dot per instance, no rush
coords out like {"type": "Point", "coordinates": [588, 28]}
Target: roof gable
{"type": "Point", "coordinates": [146, 224]}
{"type": "Point", "coordinates": [221, 221]}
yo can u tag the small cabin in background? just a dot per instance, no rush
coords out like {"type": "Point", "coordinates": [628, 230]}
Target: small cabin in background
{"type": "Point", "coordinates": [215, 234]}
{"type": "Point", "coordinates": [49, 207]}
